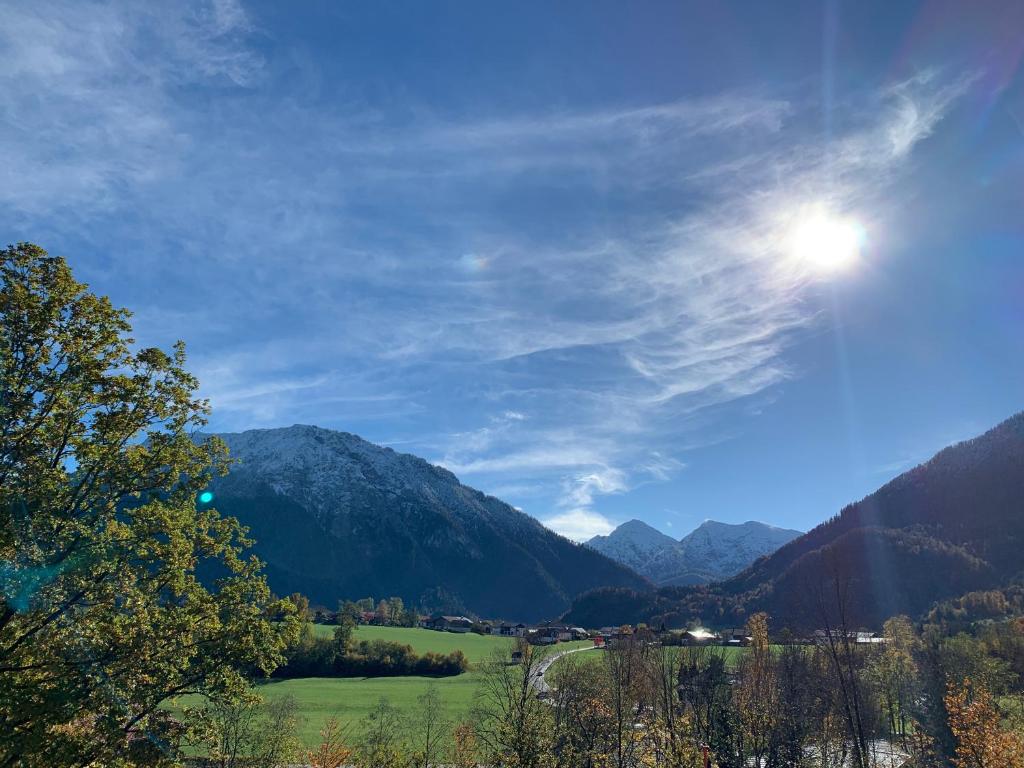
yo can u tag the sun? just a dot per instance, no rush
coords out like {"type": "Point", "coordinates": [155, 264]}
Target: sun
{"type": "Point", "coordinates": [825, 241]}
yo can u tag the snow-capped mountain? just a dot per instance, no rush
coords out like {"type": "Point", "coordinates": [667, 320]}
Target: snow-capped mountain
{"type": "Point", "coordinates": [647, 551]}
{"type": "Point", "coordinates": [721, 550]}
{"type": "Point", "coordinates": [337, 517]}
{"type": "Point", "coordinates": [712, 552]}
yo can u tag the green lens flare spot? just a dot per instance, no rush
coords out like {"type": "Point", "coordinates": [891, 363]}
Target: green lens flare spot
{"type": "Point", "coordinates": [205, 497]}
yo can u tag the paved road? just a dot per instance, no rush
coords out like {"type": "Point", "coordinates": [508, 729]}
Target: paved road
{"type": "Point", "coordinates": [538, 681]}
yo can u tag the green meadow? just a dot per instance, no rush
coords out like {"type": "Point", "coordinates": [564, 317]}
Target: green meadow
{"type": "Point", "coordinates": [476, 647]}
{"type": "Point", "coordinates": [350, 699]}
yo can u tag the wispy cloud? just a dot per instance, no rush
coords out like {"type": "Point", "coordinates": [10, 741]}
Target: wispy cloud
{"type": "Point", "coordinates": [548, 299]}
{"type": "Point", "coordinates": [580, 524]}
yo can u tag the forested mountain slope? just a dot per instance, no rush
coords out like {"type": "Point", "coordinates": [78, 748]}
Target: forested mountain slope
{"type": "Point", "coordinates": [949, 526]}
{"type": "Point", "coordinates": [335, 516]}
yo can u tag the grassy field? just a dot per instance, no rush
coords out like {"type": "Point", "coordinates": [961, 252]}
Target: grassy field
{"type": "Point", "coordinates": [350, 699]}
{"type": "Point", "coordinates": [476, 647]}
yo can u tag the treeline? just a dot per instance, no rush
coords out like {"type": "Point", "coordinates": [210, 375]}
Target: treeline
{"type": "Point", "coordinates": [341, 655]}
{"type": "Point", "coordinates": [389, 611]}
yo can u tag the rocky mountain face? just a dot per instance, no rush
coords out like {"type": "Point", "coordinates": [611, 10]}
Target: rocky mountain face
{"type": "Point", "coordinates": [720, 550]}
{"type": "Point", "coordinates": [337, 517]}
{"type": "Point", "coordinates": [951, 526]}
{"type": "Point", "coordinates": [647, 551]}
{"type": "Point", "coordinates": [712, 552]}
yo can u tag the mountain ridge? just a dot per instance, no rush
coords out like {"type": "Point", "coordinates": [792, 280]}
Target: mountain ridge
{"type": "Point", "coordinates": [711, 552]}
{"type": "Point", "coordinates": [952, 525]}
{"type": "Point", "coordinates": [335, 516]}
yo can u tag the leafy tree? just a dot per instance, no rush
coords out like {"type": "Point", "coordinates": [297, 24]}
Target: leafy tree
{"type": "Point", "coordinates": [366, 604]}
{"type": "Point", "coordinates": [301, 603]}
{"type": "Point", "coordinates": [102, 615]}
{"type": "Point", "coordinates": [431, 729]}
{"type": "Point", "coordinates": [333, 751]}
{"type": "Point", "coordinates": [246, 731]}
{"type": "Point", "coordinates": [349, 610]}
{"type": "Point", "coordinates": [514, 726]}
{"type": "Point", "coordinates": [381, 745]}
{"type": "Point", "coordinates": [756, 692]}
{"type": "Point", "coordinates": [894, 672]}
{"type": "Point", "coordinates": [464, 750]}
{"type": "Point", "coordinates": [343, 636]}
{"type": "Point", "coordinates": [974, 720]}
{"type": "Point", "coordinates": [395, 609]}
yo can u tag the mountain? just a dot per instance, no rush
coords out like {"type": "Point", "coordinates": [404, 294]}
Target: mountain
{"type": "Point", "coordinates": [335, 517]}
{"type": "Point", "coordinates": [647, 551]}
{"type": "Point", "coordinates": [950, 526]}
{"type": "Point", "coordinates": [721, 550]}
{"type": "Point", "coordinates": [712, 552]}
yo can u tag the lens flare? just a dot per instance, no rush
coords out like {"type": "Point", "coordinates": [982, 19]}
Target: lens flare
{"type": "Point", "coordinates": [205, 497]}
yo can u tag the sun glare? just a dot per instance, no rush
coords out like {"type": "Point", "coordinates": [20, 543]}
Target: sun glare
{"type": "Point", "coordinates": [825, 241]}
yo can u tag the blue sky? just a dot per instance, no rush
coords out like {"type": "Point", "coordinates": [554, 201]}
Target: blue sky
{"type": "Point", "coordinates": [550, 245]}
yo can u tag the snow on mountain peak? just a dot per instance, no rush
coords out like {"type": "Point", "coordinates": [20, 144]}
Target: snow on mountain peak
{"type": "Point", "coordinates": [713, 551]}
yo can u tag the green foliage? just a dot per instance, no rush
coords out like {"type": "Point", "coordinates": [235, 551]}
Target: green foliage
{"type": "Point", "coordinates": [102, 616]}
{"type": "Point", "coordinates": [381, 745]}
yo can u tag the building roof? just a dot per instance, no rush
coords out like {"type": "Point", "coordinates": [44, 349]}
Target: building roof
{"type": "Point", "coordinates": [700, 633]}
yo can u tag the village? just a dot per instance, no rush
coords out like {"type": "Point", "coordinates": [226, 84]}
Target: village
{"type": "Point", "coordinates": [554, 632]}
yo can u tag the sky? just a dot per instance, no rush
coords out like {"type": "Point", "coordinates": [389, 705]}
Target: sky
{"type": "Point", "coordinates": [551, 246]}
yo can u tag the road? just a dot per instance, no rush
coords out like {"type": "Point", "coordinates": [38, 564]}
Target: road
{"type": "Point", "coordinates": [538, 681]}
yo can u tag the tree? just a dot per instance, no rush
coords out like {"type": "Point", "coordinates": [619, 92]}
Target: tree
{"type": "Point", "coordinates": [381, 745]}
{"type": "Point", "coordinates": [347, 610]}
{"type": "Point", "coordinates": [301, 603]}
{"type": "Point", "coordinates": [343, 636]}
{"type": "Point", "coordinates": [431, 727]}
{"type": "Point", "coordinates": [756, 692]}
{"type": "Point", "coordinates": [894, 672]}
{"type": "Point", "coordinates": [974, 720]}
{"type": "Point", "coordinates": [246, 731]}
{"type": "Point", "coordinates": [839, 643]}
{"type": "Point", "coordinates": [582, 718]}
{"type": "Point", "coordinates": [395, 609]}
{"type": "Point", "coordinates": [514, 726]}
{"type": "Point", "coordinates": [464, 746]}
{"type": "Point", "coordinates": [366, 604]}
{"type": "Point", "coordinates": [624, 678]}
{"type": "Point", "coordinates": [102, 615]}
{"type": "Point", "coordinates": [705, 691]}
{"type": "Point", "coordinates": [333, 750]}
{"type": "Point", "coordinates": [795, 683]}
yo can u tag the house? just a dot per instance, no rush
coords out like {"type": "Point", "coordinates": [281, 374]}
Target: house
{"type": "Point", "coordinates": [868, 638]}
{"type": "Point", "coordinates": [325, 616]}
{"type": "Point", "coordinates": [553, 632]}
{"type": "Point", "coordinates": [698, 636]}
{"type": "Point", "coordinates": [450, 624]}
{"type": "Point", "coordinates": [509, 630]}
{"type": "Point", "coordinates": [859, 638]}
{"type": "Point", "coordinates": [737, 637]}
